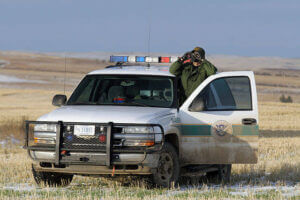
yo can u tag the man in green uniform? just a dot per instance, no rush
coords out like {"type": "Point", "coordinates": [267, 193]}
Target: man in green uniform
{"type": "Point", "coordinates": [192, 68]}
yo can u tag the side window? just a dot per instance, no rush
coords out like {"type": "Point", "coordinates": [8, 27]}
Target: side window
{"type": "Point", "coordinates": [230, 93]}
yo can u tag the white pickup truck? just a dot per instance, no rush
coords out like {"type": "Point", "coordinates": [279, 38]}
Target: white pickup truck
{"type": "Point", "coordinates": [126, 120]}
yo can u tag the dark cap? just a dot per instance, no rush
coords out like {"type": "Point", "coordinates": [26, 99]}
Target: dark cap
{"type": "Point", "coordinates": [200, 51]}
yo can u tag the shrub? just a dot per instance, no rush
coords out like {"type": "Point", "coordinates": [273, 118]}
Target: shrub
{"type": "Point", "coordinates": [284, 99]}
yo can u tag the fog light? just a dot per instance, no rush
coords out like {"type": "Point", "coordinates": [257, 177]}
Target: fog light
{"type": "Point", "coordinates": [44, 140]}
{"type": "Point", "coordinates": [102, 138]}
{"type": "Point", "coordinates": [139, 143]}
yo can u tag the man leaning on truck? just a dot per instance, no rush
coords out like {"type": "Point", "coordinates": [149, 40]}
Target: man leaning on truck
{"type": "Point", "coordinates": [192, 69]}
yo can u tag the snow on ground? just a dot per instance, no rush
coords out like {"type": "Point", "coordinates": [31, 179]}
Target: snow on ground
{"type": "Point", "coordinates": [243, 190]}
{"type": "Point", "coordinates": [235, 190]}
{"type": "Point", "coordinates": [3, 63]}
{"type": "Point", "coordinates": [287, 191]}
{"type": "Point", "coordinates": [13, 79]}
{"type": "Point", "coordinates": [20, 187]}
{"type": "Point", "coordinates": [8, 141]}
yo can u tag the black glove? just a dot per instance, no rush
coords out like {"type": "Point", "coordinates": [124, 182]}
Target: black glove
{"type": "Point", "coordinates": [187, 56]}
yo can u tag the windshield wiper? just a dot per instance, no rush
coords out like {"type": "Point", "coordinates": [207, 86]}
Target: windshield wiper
{"type": "Point", "coordinates": [113, 104]}
{"type": "Point", "coordinates": [81, 103]}
{"type": "Point", "coordinates": [139, 104]}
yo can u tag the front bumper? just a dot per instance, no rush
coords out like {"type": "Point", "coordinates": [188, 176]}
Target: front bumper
{"type": "Point", "coordinates": [80, 158]}
{"type": "Point", "coordinates": [60, 158]}
{"type": "Point", "coordinates": [96, 170]}
{"type": "Point", "coordinates": [126, 163]}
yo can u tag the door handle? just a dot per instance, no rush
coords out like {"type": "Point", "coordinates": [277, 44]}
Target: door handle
{"type": "Point", "coordinates": [249, 121]}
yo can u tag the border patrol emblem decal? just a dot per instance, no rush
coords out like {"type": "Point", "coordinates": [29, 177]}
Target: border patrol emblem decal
{"type": "Point", "coordinates": [221, 128]}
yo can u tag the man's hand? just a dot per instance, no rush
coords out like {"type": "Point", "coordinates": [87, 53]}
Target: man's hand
{"type": "Point", "coordinates": [186, 58]}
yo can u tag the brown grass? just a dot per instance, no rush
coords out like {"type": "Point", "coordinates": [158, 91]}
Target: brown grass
{"type": "Point", "coordinates": [17, 103]}
{"type": "Point", "coordinates": [279, 116]}
{"type": "Point", "coordinates": [278, 164]}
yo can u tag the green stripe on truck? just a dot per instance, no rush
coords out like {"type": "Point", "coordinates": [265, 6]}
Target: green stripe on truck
{"type": "Point", "coordinates": [205, 130]}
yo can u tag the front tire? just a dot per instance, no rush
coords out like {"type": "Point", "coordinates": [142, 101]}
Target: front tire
{"type": "Point", "coordinates": [167, 172]}
{"type": "Point", "coordinates": [51, 178]}
{"type": "Point", "coordinates": [222, 175]}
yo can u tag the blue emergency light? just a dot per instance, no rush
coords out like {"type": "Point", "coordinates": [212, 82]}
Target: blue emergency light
{"type": "Point", "coordinates": [140, 59]}
{"type": "Point", "coordinates": [118, 58]}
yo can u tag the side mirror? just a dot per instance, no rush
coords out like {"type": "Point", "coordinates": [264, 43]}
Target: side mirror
{"type": "Point", "coordinates": [59, 100]}
{"type": "Point", "coordinates": [197, 105]}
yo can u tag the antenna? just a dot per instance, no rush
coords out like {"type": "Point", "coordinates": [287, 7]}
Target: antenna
{"type": "Point", "coordinates": [149, 31]}
{"type": "Point", "coordinates": [65, 75]}
{"type": "Point", "coordinates": [149, 38]}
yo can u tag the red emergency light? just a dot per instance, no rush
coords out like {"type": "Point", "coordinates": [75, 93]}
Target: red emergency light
{"type": "Point", "coordinates": [165, 59]}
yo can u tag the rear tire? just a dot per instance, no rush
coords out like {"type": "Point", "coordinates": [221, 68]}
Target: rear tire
{"type": "Point", "coordinates": [167, 172]}
{"type": "Point", "coordinates": [51, 178]}
{"type": "Point", "coordinates": [221, 176]}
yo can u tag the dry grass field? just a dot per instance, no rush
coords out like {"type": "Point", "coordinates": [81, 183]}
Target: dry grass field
{"type": "Point", "coordinates": [276, 176]}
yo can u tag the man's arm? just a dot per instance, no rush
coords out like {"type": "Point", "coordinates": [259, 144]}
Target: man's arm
{"type": "Point", "coordinates": [210, 69]}
{"type": "Point", "coordinates": [176, 68]}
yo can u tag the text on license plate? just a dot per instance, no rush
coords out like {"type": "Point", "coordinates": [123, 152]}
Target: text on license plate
{"type": "Point", "coordinates": [80, 130]}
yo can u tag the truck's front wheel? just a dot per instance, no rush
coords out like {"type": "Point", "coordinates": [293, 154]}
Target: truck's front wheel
{"type": "Point", "coordinates": [222, 175]}
{"type": "Point", "coordinates": [51, 178]}
{"type": "Point", "coordinates": [167, 172]}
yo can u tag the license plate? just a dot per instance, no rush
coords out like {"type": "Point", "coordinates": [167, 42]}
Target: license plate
{"type": "Point", "coordinates": [80, 130]}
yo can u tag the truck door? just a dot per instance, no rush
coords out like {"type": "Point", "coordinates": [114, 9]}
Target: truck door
{"type": "Point", "coordinates": [219, 122]}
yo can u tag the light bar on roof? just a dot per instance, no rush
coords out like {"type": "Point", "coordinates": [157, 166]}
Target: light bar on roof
{"type": "Point", "coordinates": [140, 59]}
{"type": "Point", "coordinates": [174, 59]}
{"type": "Point", "coordinates": [143, 59]}
{"type": "Point", "coordinates": [119, 59]}
{"type": "Point", "coordinates": [152, 59]}
{"type": "Point", "coordinates": [165, 59]}
{"type": "Point", "coordinates": [131, 59]}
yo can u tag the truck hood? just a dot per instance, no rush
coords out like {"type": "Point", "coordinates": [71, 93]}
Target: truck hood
{"type": "Point", "coordinates": [105, 114]}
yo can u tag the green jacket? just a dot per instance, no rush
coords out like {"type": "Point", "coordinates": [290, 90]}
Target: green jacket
{"type": "Point", "coordinates": [191, 76]}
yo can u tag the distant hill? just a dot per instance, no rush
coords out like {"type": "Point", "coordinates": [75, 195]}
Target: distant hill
{"type": "Point", "coordinates": [221, 61]}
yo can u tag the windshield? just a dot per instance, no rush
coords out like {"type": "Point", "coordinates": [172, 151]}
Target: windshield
{"type": "Point", "coordinates": [124, 90]}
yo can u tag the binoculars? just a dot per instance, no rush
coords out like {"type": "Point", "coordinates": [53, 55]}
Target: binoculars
{"type": "Point", "coordinates": [194, 56]}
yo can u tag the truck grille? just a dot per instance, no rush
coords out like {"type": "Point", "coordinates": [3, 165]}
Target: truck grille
{"type": "Point", "coordinates": [73, 142]}
{"type": "Point", "coordinates": [102, 138]}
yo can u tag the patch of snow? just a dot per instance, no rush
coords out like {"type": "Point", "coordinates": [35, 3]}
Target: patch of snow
{"type": "Point", "coordinates": [239, 193]}
{"type": "Point", "coordinates": [12, 79]}
{"type": "Point", "coordinates": [245, 190]}
{"type": "Point", "coordinates": [289, 190]}
{"type": "Point", "coordinates": [20, 187]}
{"type": "Point", "coordinates": [28, 187]}
{"type": "Point", "coordinates": [3, 63]}
{"type": "Point", "coordinates": [9, 141]}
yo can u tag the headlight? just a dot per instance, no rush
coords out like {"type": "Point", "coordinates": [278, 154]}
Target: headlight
{"type": "Point", "coordinates": [45, 127]}
{"type": "Point", "coordinates": [138, 129]}
{"type": "Point", "coordinates": [141, 129]}
{"type": "Point", "coordinates": [44, 134]}
{"type": "Point", "coordinates": [142, 135]}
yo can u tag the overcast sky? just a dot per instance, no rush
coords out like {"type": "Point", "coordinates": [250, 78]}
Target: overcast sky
{"type": "Point", "coordinates": [231, 27]}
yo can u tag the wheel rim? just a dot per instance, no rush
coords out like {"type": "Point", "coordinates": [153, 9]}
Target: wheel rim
{"type": "Point", "coordinates": [165, 168]}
